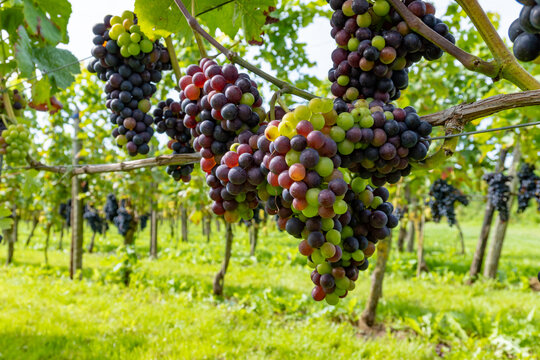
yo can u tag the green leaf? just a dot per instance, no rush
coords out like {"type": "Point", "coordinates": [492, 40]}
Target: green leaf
{"type": "Point", "coordinates": [160, 18]}
{"type": "Point", "coordinates": [11, 18]}
{"type": "Point", "coordinates": [59, 12]}
{"type": "Point", "coordinates": [41, 91]}
{"type": "Point", "coordinates": [4, 211]}
{"type": "Point", "coordinates": [23, 53]}
{"type": "Point", "coordinates": [59, 64]}
{"type": "Point", "coordinates": [5, 223]}
{"type": "Point", "coordinates": [40, 25]}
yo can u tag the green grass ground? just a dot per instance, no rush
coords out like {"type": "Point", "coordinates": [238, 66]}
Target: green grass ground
{"type": "Point", "coordinates": [168, 312]}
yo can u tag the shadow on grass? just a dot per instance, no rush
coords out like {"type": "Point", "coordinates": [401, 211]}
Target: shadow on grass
{"type": "Point", "coordinates": [16, 346]}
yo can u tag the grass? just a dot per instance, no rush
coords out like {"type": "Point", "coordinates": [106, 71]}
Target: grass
{"type": "Point", "coordinates": [168, 311]}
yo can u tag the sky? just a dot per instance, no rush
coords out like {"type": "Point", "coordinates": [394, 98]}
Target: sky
{"type": "Point", "coordinates": [317, 36]}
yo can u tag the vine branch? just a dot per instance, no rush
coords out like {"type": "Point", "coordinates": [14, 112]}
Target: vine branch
{"type": "Point", "coordinates": [471, 62]}
{"type": "Point", "coordinates": [509, 67]}
{"type": "Point", "coordinates": [284, 86]}
{"type": "Point", "coordinates": [468, 112]}
{"type": "Point", "coordinates": [162, 160]}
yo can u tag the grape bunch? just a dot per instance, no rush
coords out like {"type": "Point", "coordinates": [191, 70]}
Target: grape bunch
{"type": "Point", "coordinates": [376, 48]}
{"type": "Point", "coordinates": [234, 183]}
{"type": "Point", "coordinates": [169, 119]}
{"type": "Point", "coordinates": [144, 221]}
{"type": "Point", "coordinates": [313, 201]}
{"type": "Point", "coordinates": [499, 192]}
{"type": "Point", "coordinates": [15, 143]}
{"type": "Point", "coordinates": [219, 103]}
{"type": "Point", "coordinates": [525, 32]}
{"type": "Point", "coordinates": [111, 207]}
{"type": "Point", "coordinates": [529, 187]}
{"type": "Point", "coordinates": [444, 197]}
{"type": "Point", "coordinates": [65, 211]}
{"type": "Point", "coordinates": [18, 101]}
{"type": "Point", "coordinates": [95, 221]}
{"type": "Point", "coordinates": [123, 219]}
{"type": "Point", "coordinates": [379, 141]}
{"type": "Point", "coordinates": [131, 65]}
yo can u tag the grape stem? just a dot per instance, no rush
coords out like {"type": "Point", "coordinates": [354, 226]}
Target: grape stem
{"type": "Point", "coordinates": [174, 60]}
{"type": "Point", "coordinates": [273, 104]}
{"type": "Point", "coordinates": [471, 62]}
{"type": "Point", "coordinates": [509, 68]}
{"type": "Point", "coordinates": [284, 86]}
{"type": "Point", "coordinates": [198, 39]}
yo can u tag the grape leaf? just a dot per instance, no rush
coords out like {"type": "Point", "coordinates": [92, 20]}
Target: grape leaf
{"type": "Point", "coordinates": [11, 18]}
{"type": "Point", "coordinates": [59, 12]}
{"type": "Point", "coordinates": [59, 64]}
{"type": "Point", "coordinates": [39, 24]}
{"type": "Point", "coordinates": [160, 18]}
{"type": "Point", "coordinates": [23, 53]}
{"type": "Point", "coordinates": [41, 91]}
{"type": "Point", "coordinates": [252, 17]}
{"type": "Point", "coordinates": [5, 222]}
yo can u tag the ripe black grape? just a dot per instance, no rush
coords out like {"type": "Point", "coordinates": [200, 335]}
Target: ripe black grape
{"type": "Point", "coordinates": [444, 196]}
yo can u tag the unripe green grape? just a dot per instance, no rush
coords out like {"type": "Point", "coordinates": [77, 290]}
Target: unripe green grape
{"type": "Point", "coordinates": [333, 236]}
{"type": "Point", "coordinates": [343, 80]}
{"type": "Point", "coordinates": [327, 224]}
{"type": "Point", "coordinates": [364, 20]}
{"type": "Point", "coordinates": [302, 112]}
{"type": "Point", "coordinates": [358, 255]}
{"type": "Point", "coordinates": [124, 39]}
{"type": "Point", "coordinates": [317, 120]}
{"type": "Point", "coordinates": [378, 42]}
{"type": "Point", "coordinates": [332, 299]}
{"type": "Point", "coordinates": [135, 37]}
{"type": "Point", "coordinates": [311, 211]}
{"type": "Point", "coordinates": [134, 49]}
{"type": "Point", "coordinates": [346, 232]}
{"type": "Point", "coordinates": [317, 257]}
{"type": "Point", "coordinates": [324, 268]}
{"type": "Point", "coordinates": [247, 99]}
{"type": "Point", "coordinates": [377, 200]}
{"type": "Point", "coordinates": [312, 196]}
{"type": "Point", "coordinates": [366, 122]}
{"type": "Point", "coordinates": [292, 157]}
{"type": "Point", "coordinates": [337, 134]}
{"type": "Point", "coordinates": [146, 46]}
{"type": "Point", "coordinates": [346, 147]}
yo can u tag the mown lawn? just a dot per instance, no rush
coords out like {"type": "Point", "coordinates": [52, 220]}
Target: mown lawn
{"type": "Point", "coordinates": [168, 311]}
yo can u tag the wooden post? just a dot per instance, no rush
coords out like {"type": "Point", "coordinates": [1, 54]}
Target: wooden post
{"type": "Point", "coordinates": [494, 254]}
{"type": "Point", "coordinates": [76, 208]}
{"type": "Point", "coordinates": [35, 222]}
{"type": "Point", "coordinates": [61, 241]}
{"type": "Point", "coordinates": [153, 232]}
{"type": "Point", "coordinates": [254, 236]}
{"type": "Point", "coordinates": [421, 262]}
{"type": "Point", "coordinates": [462, 240]}
{"type": "Point", "coordinates": [220, 276]}
{"type": "Point", "coordinates": [129, 240]}
{"type": "Point", "coordinates": [46, 249]}
{"type": "Point", "coordinates": [208, 227]}
{"type": "Point", "coordinates": [411, 234]}
{"type": "Point", "coordinates": [478, 258]}
{"type": "Point", "coordinates": [383, 252]}
{"type": "Point", "coordinates": [184, 225]}
{"type": "Point", "coordinates": [91, 245]}
{"type": "Point", "coordinates": [403, 223]}
{"type": "Point", "coordinates": [10, 236]}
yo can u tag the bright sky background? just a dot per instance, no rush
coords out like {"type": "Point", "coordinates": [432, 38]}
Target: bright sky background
{"type": "Point", "coordinates": [317, 36]}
